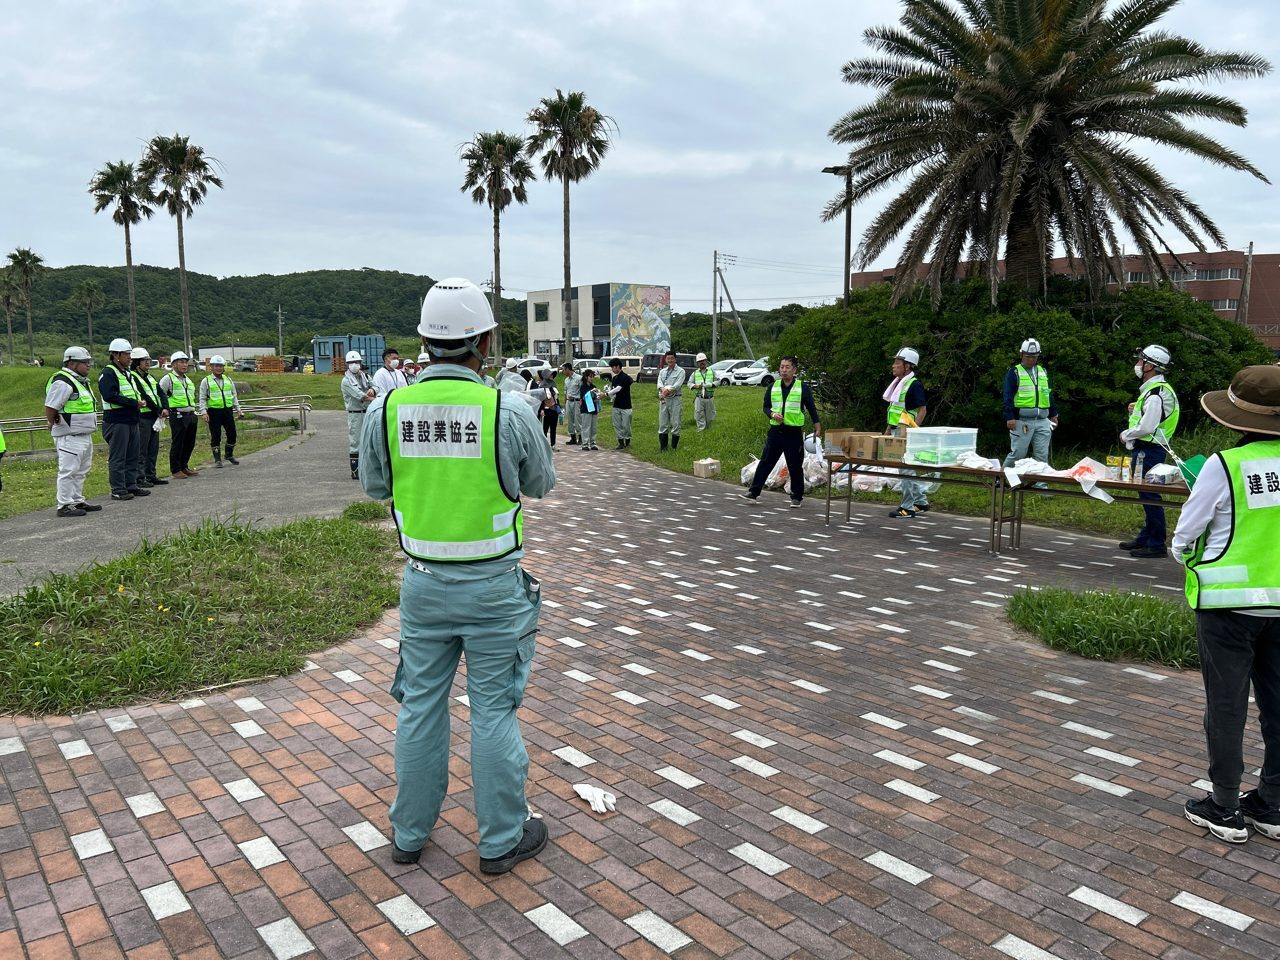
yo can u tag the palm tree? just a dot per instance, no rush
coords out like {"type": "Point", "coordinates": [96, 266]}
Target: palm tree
{"type": "Point", "coordinates": [573, 139]}
{"type": "Point", "coordinates": [10, 298]}
{"type": "Point", "coordinates": [1016, 121]}
{"type": "Point", "coordinates": [497, 173]}
{"type": "Point", "coordinates": [178, 175]}
{"type": "Point", "coordinates": [118, 184]}
{"type": "Point", "coordinates": [27, 267]}
{"type": "Point", "coordinates": [88, 296]}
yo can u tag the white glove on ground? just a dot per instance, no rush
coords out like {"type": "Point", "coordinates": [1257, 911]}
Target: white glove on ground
{"type": "Point", "coordinates": [600, 800]}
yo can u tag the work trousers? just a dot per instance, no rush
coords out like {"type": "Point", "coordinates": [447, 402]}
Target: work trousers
{"type": "Point", "coordinates": [704, 412]}
{"type": "Point", "coordinates": [785, 442]}
{"type": "Point", "coordinates": [183, 439]}
{"type": "Point", "coordinates": [670, 413]}
{"type": "Point", "coordinates": [1029, 437]}
{"type": "Point", "coordinates": [1236, 648]}
{"type": "Point", "coordinates": [622, 423]}
{"type": "Point", "coordinates": [122, 456]}
{"type": "Point", "coordinates": [572, 414]}
{"type": "Point", "coordinates": [355, 422]}
{"type": "Point", "coordinates": [1154, 531]}
{"type": "Point", "coordinates": [75, 457]}
{"type": "Point", "coordinates": [913, 491]}
{"type": "Point", "coordinates": [148, 446]}
{"type": "Point", "coordinates": [549, 421]}
{"type": "Point", "coordinates": [494, 622]}
{"type": "Point", "coordinates": [219, 420]}
{"type": "Point", "coordinates": [588, 427]}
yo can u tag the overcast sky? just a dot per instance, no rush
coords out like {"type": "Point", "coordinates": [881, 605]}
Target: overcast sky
{"type": "Point", "coordinates": [337, 126]}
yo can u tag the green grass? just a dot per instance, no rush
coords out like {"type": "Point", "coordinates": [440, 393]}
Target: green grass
{"type": "Point", "coordinates": [1109, 625]}
{"type": "Point", "coordinates": [364, 511]}
{"type": "Point", "coordinates": [258, 601]}
{"type": "Point", "coordinates": [31, 483]}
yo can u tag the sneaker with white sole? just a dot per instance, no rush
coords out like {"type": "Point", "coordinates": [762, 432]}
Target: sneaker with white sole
{"type": "Point", "coordinates": [1228, 825]}
{"type": "Point", "coordinates": [1264, 819]}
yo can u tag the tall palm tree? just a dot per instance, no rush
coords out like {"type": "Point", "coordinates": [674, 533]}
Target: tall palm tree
{"type": "Point", "coordinates": [497, 174]}
{"type": "Point", "coordinates": [10, 298]}
{"type": "Point", "coordinates": [88, 296]}
{"type": "Point", "coordinates": [178, 175]}
{"type": "Point", "coordinates": [573, 139]}
{"type": "Point", "coordinates": [27, 268]}
{"type": "Point", "coordinates": [118, 183]}
{"type": "Point", "coordinates": [1017, 122]}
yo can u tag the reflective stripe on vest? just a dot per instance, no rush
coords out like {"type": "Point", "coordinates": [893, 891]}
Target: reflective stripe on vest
{"type": "Point", "coordinates": [150, 386]}
{"type": "Point", "coordinates": [703, 380]}
{"type": "Point", "coordinates": [898, 407]}
{"type": "Point", "coordinates": [81, 400]}
{"type": "Point", "coordinates": [181, 391]}
{"type": "Point", "coordinates": [791, 416]}
{"type": "Point", "coordinates": [1247, 573]}
{"type": "Point", "coordinates": [1033, 391]}
{"type": "Point", "coordinates": [446, 489]}
{"type": "Point", "coordinates": [1169, 399]}
{"type": "Point", "coordinates": [223, 398]}
{"type": "Point", "coordinates": [128, 389]}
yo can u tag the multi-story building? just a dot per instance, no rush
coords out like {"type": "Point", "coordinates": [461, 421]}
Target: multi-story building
{"type": "Point", "coordinates": [1215, 277]}
{"type": "Point", "coordinates": [628, 319]}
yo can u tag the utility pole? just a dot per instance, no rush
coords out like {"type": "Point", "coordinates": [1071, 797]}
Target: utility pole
{"type": "Point", "coordinates": [280, 328]}
{"type": "Point", "coordinates": [736, 318]}
{"type": "Point", "coordinates": [1242, 305]}
{"type": "Point", "coordinates": [715, 279]}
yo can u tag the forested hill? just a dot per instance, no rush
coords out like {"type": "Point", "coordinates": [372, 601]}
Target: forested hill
{"type": "Point", "coordinates": [243, 308]}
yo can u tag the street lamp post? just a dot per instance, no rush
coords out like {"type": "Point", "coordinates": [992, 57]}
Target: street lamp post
{"type": "Point", "coordinates": [846, 171]}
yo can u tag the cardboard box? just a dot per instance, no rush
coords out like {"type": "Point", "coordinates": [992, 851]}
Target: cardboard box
{"type": "Point", "coordinates": [854, 443]}
{"type": "Point", "coordinates": [891, 448]}
{"type": "Point", "coordinates": [707, 469]}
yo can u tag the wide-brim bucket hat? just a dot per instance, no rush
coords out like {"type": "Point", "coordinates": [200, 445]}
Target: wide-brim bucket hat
{"type": "Point", "coordinates": [1251, 404]}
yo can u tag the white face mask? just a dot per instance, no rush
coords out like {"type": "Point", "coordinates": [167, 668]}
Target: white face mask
{"type": "Point", "coordinates": [353, 366]}
{"type": "Point", "coordinates": [1137, 370]}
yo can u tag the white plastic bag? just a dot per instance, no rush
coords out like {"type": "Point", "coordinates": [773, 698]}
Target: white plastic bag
{"type": "Point", "coordinates": [749, 473]}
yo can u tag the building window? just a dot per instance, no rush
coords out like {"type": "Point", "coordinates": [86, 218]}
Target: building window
{"type": "Point", "coordinates": [1225, 304]}
{"type": "Point", "coordinates": [541, 312]}
{"type": "Point", "coordinates": [1220, 273]}
{"type": "Point", "coordinates": [1136, 276]}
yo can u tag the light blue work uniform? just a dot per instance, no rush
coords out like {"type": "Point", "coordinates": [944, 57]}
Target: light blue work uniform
{"type": "Point", "coordinates": [487, 610]}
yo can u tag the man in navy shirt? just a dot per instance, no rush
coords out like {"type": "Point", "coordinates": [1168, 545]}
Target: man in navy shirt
{"type": "Point", "coordinates": [785, 406]}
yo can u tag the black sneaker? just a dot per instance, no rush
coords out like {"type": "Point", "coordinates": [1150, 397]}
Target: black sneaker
{"type": "Point", "coordinates": [530, 845]}
{"type": "Point", "coordinates": [232, 460]}
{"type": "Point", "coordinates": [921, 508]}
{"type": "Point", "coordinates": [70, 510]}
{"type": "Point", "coordinates": [122, 496]}
{"type": "Point", "coordinates": [749, 496]}
{"type": "Point", "coordinates": [145, 483]}
{"type": "Point", "coordinates": [404, 856]}
{"type": "Point", "coordinates": [157, 482]}
{"type": "Point", "coordinates": [1133, 544]}
{"type": "Point", "coordinates": [89, 507]}
{"type": "Point", "coordinates": [902, 513]}
{"type": "Point", "coordinates": [795, 504]}
{"type": "Point", "coordinates": [139, 492]}
{"type": "Point", "coordinates": [1149, 553]}
{"type": "Point", "coordinates": [1264, 819]}
{"type": "Point", "coordinates": [1226, 825]}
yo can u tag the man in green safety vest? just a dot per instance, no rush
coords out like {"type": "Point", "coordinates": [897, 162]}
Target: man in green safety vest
{"type": "Point", "coordinates": [1029, 410]}
{"type": "Point", "coordinates": [906, 398]}
{"type": "Point", "coordinates": [785, 404]}
{"type": "Point", "coordinates": [219, 405]}
{"type": "Point", "coordinates": [154, 411]}
{"type": "Point", "coordinates": [1153, 418]}
{"type": "Point", "coordinates": [455, 456]}
{"type": "Point", "coordinates": [121, 404]}
{"type": "Point", "coordinates": [180, 394]}
{"type": "Point", "coordinates": [73, 419]}
{"type": "Point", "coordinates": [1226, 536]}
{"type": "Point", "coordinates": [703, 384]}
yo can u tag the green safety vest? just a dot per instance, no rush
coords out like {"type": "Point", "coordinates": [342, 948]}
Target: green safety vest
{"type": "Point", "coordinates": [896, 407]}
{"type": "Point", "coordinates": [150, 386]}
{"type": "Point", "coordinates": [128, 389]}
{"type": "Point", "coordinates": [1032, 392]}
{"type": "Point", "coordinates": [706, 380]}
{"type": "Point", "coordinates": [1247, 573]}
{"type": "Point", "coordinates": [1170, 399]}
{"type": "Point", "coordinates": [181, 391]}
{"type": "Point", "coordinates": [3, 446]}
{"type": "Point", "coordinates": [81, 400]}
{"type": "Point", "coordinates": [220, 400]}
{"type": "Point", "coordinates": [447, 495]}
{"type": "Point", "coordinates": [792, 416]}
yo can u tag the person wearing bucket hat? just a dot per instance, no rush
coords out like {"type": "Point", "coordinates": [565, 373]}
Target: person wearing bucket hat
{"type": "Point", "coordinates": [1226, 538]}
{"type": "Point", "coordinates": [1153, 418]}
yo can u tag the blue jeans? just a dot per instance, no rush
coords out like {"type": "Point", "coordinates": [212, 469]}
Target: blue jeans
{"type": "Point", "coordinates": [494, 623]}
{"type": "Point", "coordinates": [1154, 531]}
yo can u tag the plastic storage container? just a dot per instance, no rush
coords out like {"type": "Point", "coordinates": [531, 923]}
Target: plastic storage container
{"type": "Point", "coordinates": [930, 446]}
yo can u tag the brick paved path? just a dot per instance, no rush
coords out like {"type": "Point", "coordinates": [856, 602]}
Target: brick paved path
{"type": "Point", "coordinates": [824, 742]}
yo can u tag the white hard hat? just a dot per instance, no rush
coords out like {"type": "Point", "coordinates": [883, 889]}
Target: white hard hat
{"type": "Point", "coordinates": [139, 353]}
{"type": "Point", "coordinates": [511, 363]}
{"type": "Point", "coordinates": [217, 360]}
{"type": "Point", "coordinates": [908, 354]}
{"type": "Point", "coordinates": [119, 345]}
{"type": "Point", "coordinates": [353, 356]}
{"type": "Point", "coordinates": [699, 358]}
{"type": "Point", "coordinates": [75, 353]}
{"type": "Point", "coordinates": [178, 356]}
{"type": "Point", "coordinates": [1155, 355]}
{"type": "Point", "coordinates": [424, 357]}
{"type": "Point", "coordinates": [1031, 346]}
{"type": "Point", "coordinates": [455, 309]}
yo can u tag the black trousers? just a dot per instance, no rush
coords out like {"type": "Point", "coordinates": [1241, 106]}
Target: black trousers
{"type": "Point", "coordinates": [1235, 650]}
{"type": "Point", "coordinates": [183, 441]}
{"type": "Point", "coordinates": [220, 420]}
{"type": "Point", "coordinates": [785, 442]}
{"type": "Point", "coordinates": [122, 455]}
{"type": "Point", "coordinates": [148, 446]}
{"type": "Point", "coordinates": [550, 419]}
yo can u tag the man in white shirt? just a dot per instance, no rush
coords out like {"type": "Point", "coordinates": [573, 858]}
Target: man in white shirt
{"type": "Point", "coordinates": [390, 375]}
{"type": "Point", "coordinates": [69, 410]}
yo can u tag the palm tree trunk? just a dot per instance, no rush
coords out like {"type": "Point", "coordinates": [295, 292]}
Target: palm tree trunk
{"type": "Point", "coordinates": [89, 314]}
{"type": "Point", "coordinates": [128, 273]}
{"type": "Point", "coordinates": [566, 296]}
{"type": "Point", "coordinates": [31, 336]}
{"type": "Point", "coordinates": [1024, 253]}
{"type": "Point", "coordinates": [8, 319]}
{"type": "Point", "coordinates": [497, 286]}
{"type": "Point", "coordinates": [182, 289]}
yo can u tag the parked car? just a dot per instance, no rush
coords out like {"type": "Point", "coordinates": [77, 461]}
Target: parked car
{"type": "Point", "coordinates": [754, 375]}
{"type": "Point", "coordinates": [651, 363]}
{"type": "Point", "coordinates": [248, 365]}
{"type": "Point", "coordinates": [604, 372]}
{"type": "Point", "coordinates": [723, 369]}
